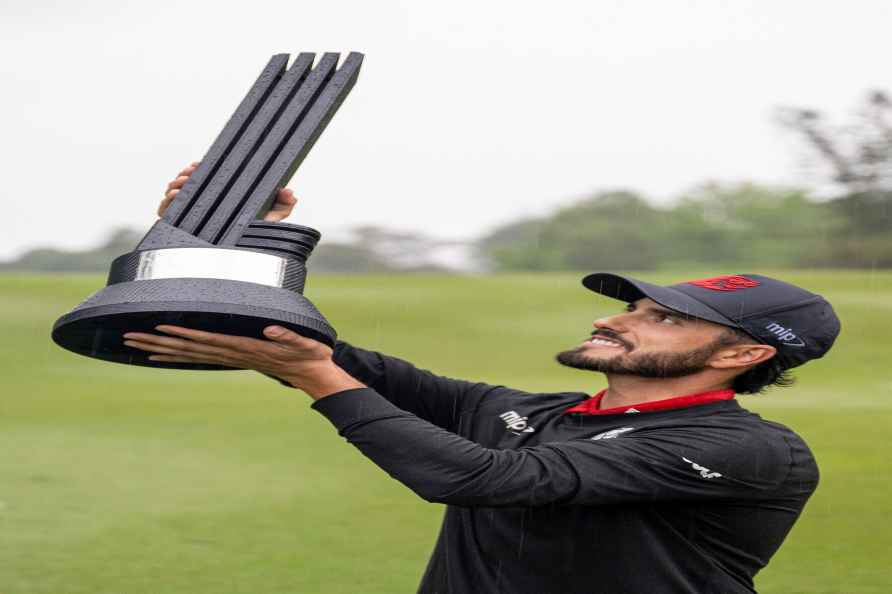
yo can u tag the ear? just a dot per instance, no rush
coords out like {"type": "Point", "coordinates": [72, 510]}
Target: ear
{"type": "Point", "coordinates": [742, 355]}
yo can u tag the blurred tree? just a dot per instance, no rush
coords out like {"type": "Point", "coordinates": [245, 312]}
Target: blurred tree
{"type": "Point", "coordinates": [860, 157]}
{"type": "Point", "coordinates": [749, 225]}
{"type": "Point", "coordinates": [400, 250]}
{"type": "Point", "coordinates": [863, 238]}
{"type": "Point", "coordinates": [860, 153]}
{"type": "Point", "coordinates": [616, 229]}
{"type": "Point", "coordinates": [518, 246]}
{"type": "Point", "coordinates": [732, 226]}
{"type": "Point", "coordinates": [345, 258]}
{"type": "Point", "coordinates": [119, 241]}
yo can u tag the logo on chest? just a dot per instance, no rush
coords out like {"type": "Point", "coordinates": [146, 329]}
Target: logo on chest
{"type": "Point", "coordinates": [515, 423]}
{"type": "Point", "coordinates": [612, 433]}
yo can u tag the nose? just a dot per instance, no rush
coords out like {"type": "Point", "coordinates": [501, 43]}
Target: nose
{"type": "Point", "coordinates": [613, 323]}
{"type": "Point", "coordinates": [613, 327]}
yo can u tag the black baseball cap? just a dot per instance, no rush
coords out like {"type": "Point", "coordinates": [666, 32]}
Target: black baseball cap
{"type": "Point", "coordinates": [800, 324]}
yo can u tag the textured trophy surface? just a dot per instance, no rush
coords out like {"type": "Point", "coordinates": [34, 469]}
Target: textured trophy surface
{"type": "Point", "coordinates": [211, 262]}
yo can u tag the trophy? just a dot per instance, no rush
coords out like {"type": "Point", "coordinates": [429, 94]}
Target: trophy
{"type": "Point", "coordinates": [212, 262]}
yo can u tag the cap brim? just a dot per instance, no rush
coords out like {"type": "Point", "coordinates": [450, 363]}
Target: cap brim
{"type": "Point", "coordinates": [630, 289]}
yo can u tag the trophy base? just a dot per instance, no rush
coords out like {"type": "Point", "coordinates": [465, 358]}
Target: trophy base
{"type": "Point", "coordinates": [95, 328]}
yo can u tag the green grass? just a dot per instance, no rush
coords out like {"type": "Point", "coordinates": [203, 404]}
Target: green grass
{"type": "Point", "coordinates": [125, 480]}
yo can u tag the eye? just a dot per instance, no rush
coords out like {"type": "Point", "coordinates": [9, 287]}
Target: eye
{"type": "Point", "coordinates": [663, 317]}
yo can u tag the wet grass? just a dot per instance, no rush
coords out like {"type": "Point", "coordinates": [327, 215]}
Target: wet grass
{"type": "Point", "coordinates": [127, 480]}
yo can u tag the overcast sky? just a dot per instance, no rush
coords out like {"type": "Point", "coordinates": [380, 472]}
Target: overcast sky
{"type": "Point", "coordinates": [467, 114]}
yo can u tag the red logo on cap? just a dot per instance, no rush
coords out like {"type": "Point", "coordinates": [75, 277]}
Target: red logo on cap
{"type": "Point", "coordinates": [728, 282]}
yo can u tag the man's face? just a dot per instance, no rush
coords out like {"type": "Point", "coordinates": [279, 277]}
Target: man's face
{"type": "Point", "coordinates": [648, 340]}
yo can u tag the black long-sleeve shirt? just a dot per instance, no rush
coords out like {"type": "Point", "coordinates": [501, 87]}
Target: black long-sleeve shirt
{"type": "Point", "coordinates": [689, 500]}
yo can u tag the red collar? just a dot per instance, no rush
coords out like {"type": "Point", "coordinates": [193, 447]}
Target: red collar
{"type": "Point", "coordinates": [593, 404]}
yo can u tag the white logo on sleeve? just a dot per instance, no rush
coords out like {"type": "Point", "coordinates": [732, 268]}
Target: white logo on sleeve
{"type": "Point", "coordinates": [516, 423]}
{"type": "Point", "coordinates": [612, 433]}
{"type": "Point", "coordinates": [704, 472]}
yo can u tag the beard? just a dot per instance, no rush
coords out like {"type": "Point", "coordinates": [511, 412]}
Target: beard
{"type": "Point", "coordinates": [659, 365]}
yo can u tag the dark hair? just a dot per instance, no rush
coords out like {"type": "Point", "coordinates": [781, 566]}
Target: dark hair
{"type": "Point", "coordinates": [756, 379]}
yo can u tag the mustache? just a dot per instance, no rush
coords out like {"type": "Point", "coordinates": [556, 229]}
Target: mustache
{"type": "Point", "coordinates": [610, 335]}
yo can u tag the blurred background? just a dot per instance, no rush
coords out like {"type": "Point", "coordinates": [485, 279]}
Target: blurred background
{"type": "Point", "coordinates": [489, 155]}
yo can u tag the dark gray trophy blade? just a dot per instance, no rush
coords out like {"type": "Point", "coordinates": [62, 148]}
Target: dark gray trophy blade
{"type": "Point", "coordinates": [233, 130]}
{"type": "Point", "coordinates": [209, 262]}
{"type": "Point", "coordinates": [210, 199]}
{"type": "Point", "coordinates": [266, 155]}
{"type": "Point", "coordinates": [292, 155]}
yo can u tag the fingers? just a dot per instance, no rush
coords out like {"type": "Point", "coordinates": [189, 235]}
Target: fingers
{"type": "Point", "coordinates": [283, 351]}
{"type": "Point", "coordinates": [185, 351]}
{"type": "Point", "coordinates": [173, 187]}
{"type": "Point", "coordinates": [182, 359]}
{"type": "Point", "coordinates": [287, 344]}
{"type": "Point", "coordinates": [182, 178]}
{"type": "Point", "coordinates": [282, 207]}
{"type": "Point", "coordinates": [213, 340]}
{"type": "Point", "coordinates": [172, 359]}
{"type": "Point", "coordinates": [162, 353]}
{"type": "Point", "coordinates": [169, 346]}
{"type": "Point", "coordinates": [178, 182]}
{"type": "Point", "coordinates": [287, 337]}
{"type": "Point", "coordinates": [189, 169]}
{"type": "Point", "coordinates": [154, 347]}
{"type": "Point", "coordinates": [165, 202]}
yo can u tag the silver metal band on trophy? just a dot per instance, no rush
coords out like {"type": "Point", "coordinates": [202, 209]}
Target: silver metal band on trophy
{"type": "Point", "coordinates": [220, 263]}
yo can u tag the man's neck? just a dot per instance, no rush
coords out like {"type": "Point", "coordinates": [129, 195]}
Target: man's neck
{"type": "Point", "coordinates": [628, 390]}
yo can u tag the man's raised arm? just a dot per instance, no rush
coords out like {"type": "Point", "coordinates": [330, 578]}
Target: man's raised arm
{"type": "Point", "coordinates": [437, 399]}
{"type": "Point", "coordinates": [434, 398]}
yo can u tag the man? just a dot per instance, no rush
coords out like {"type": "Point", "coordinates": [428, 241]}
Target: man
{"type": "Point", "coordinates": [660, 483]}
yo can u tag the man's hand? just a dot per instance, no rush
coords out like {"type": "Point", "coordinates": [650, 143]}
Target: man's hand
{"type": "Point", "coordinates": [281, 209]}
{"type": "Point", "coordinates": [303, 362]}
